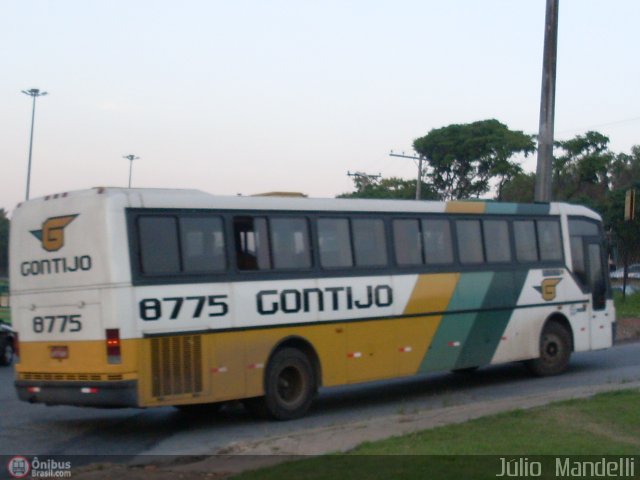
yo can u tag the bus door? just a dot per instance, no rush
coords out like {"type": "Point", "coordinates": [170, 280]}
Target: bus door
{"type": "Point", "coordinates": [596, 277]}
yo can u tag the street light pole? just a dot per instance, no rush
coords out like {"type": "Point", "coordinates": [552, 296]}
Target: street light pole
{"type": "Point", "coordinates": [34, 93]}
{"type": "Point", "coordinates": [131, 158]}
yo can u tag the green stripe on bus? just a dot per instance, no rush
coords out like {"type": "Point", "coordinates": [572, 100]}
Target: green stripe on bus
{"type": "Point", "coordinates": [501, 208]}
{"type": "Point", "coordinates": [533, 209]}
{"type": "Point", "coordinates": [490, 324]}
{"type": "Point", "coordinates": [454, 329]}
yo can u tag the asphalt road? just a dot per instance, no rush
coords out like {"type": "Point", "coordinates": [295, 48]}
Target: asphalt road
{"type": "Point", "coordinates": [39, 430]}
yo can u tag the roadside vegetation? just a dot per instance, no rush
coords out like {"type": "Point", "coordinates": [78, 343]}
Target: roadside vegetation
{"type": "Point", "coordinates": [628, 307]}
{"type": "Point", "coordinates": [606, 424]}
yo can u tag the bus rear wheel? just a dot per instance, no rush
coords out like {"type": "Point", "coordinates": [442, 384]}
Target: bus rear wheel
{"type": "Point", "coordinates": [289, 386]}
{"type": "Point", "coordinates": [555, 351]}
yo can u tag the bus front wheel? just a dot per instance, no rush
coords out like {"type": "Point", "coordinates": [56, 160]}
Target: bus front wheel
{"type": "Point", "coordinates": [555, 350]}
{"type": "Point", "coordinates": [289, 386]}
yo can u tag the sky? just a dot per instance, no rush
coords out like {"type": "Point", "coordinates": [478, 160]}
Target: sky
{"type": "Point", "coordinates": [249, 96]}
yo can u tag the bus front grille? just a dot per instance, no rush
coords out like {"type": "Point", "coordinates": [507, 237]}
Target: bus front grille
{"type": "Point", "coordinates": [176, 365]}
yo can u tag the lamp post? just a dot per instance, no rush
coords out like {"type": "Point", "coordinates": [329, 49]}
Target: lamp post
{"type": "Point", "coordinates": [131, 158]}
{"type": "Point", "coordinates": [34, 93]}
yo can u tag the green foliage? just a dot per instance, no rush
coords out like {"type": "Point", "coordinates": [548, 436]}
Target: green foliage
{"type": "Point", "coordinates": [581, 173]}
{"type": "Point", "coordinates": [629, 307]}
{"type": "Point", "coordinates": [388, 188]}
{"type": "Point", "coordinates": [520, 188]}
{"type": "Point", "coordinates": [4, 243]}
{"type": "Point", "coordinates": [464, 158]}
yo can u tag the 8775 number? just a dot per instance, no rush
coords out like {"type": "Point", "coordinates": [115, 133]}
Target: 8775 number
{"type": "Point", "coordinates": [153, 308]}
{"type": "Point", "coordinates": [57, 323]}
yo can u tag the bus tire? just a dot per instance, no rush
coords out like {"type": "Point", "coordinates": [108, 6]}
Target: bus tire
{"type": "Point", "coordinates": [290, 384]}
{"type": "Point", "coordinates": [555, 351]}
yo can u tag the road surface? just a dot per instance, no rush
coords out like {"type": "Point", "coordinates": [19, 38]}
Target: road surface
{"type": "Point", "coordinates": [39, 430]}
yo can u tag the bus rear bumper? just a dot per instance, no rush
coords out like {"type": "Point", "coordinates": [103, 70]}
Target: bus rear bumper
{"type": "Point", "coordinates": [115, 394]}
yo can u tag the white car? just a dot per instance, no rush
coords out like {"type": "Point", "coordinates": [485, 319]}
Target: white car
{"type": "Point", "coordinates": [633, 272]}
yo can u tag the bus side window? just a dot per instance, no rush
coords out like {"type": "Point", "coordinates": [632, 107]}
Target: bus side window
{"type": "Point", "coordinates": [369, 242]}
{"type": "Point", "coordinates": [158, 239]}
{"type": "Point", "coordinates": [407, 242]}
{"type": "Point", "coordinates": [470, 246]}
{"type": "Point", "coordinates": [334, 243]}
{"type": "Point", "coordinates": [202, 242]}
{"type": "Point", "coordinates": [251, 243]}
{"type": "Point", "coordinates": [436, 239]}
{"type": "Point", "coordinates": [290, 243]}
{"type": "Point", "coordinates": [497, 241]}
{"type": "Point", "coordinates": [549, 240]}
{"type": "Point", "coordinates": [524, 232]}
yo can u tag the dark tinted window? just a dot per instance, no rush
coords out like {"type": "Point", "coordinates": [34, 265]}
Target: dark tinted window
{"type": "Point", "coordinates": [549, 240]}
{"type": "Point", "coordinates": [524, 232]}
{"type": "Point", "coordinates": [334, 243]}
{"type": "Point", "coordinates": [496, 240]}
{"type": "Point", "coordinates": [252, 243]}
{"type": "Point", "coordinates": [469, 241]}
{"type": "Point", "coordinates": [436, 236]}
{"type": "Point", "coordinates": [583, 228]}
{"type": "Point", "coordinates": [202, 242]}
{"type": "Point", "coordinates": [290, 243]}
{"type": "Point", "coordinates": [159, 244]}
{"type": "Point", "coordinates": [369, 242]}
{"type": "Point", "coordinates": [406, 240]}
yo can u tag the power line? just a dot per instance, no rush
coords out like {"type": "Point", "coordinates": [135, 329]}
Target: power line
{"type": "Point", "coordinates": [616, 122]}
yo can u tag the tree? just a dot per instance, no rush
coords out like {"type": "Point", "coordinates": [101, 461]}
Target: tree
{"type": "Point", "coordinates": [390, 188]}
{"type": "Point", "coordinates": [581, 173]}
{"type": "Point", "coordinates": [464, 158]}
{"type": "Point", "coordinates": [520, 188]}
{"type": "Point", "coordinates": [4, 243]}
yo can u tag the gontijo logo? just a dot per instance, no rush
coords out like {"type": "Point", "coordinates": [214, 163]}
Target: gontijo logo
{"type": "Point", "coordinates": [52, 233]}
{"type": "Point", "coordinates": [548, 288]}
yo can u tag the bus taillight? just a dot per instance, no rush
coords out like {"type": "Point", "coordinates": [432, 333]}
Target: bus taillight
{"type": "Point", "coordinates": [113, 346]}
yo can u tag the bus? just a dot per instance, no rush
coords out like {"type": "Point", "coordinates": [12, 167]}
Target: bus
{"type": "Point", "coordinates": [157, 297]}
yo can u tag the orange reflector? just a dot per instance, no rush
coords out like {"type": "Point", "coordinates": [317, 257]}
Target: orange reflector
{"type": "Point", "coordinates": [113, 345]}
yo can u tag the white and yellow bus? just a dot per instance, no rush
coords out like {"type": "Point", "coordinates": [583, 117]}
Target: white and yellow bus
{"type": "Point", "coordinates": [150, 297]}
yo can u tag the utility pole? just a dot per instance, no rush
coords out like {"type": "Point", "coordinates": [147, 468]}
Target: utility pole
{"type": "Point", "coordinates": [34, 93]}
{"type": "Point", "coordinates": [420, 159]}
{"type": "Point", "coordinates": [131, 158]}
{"type": "Point", "coordinates": [547, 104]}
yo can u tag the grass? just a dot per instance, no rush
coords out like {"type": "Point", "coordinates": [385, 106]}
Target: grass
{"type": "Point", "coordinates": [629, 307]}
{"type": "Point", "coordinates": [606, 424]}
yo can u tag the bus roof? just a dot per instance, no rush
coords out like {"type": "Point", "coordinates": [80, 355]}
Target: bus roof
{"type": "Point", "coordinates": [197, 199]}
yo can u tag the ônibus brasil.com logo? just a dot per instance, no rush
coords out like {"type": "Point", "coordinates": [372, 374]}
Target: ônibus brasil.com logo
{"type": "Point", "coordinates": [20, 467]}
